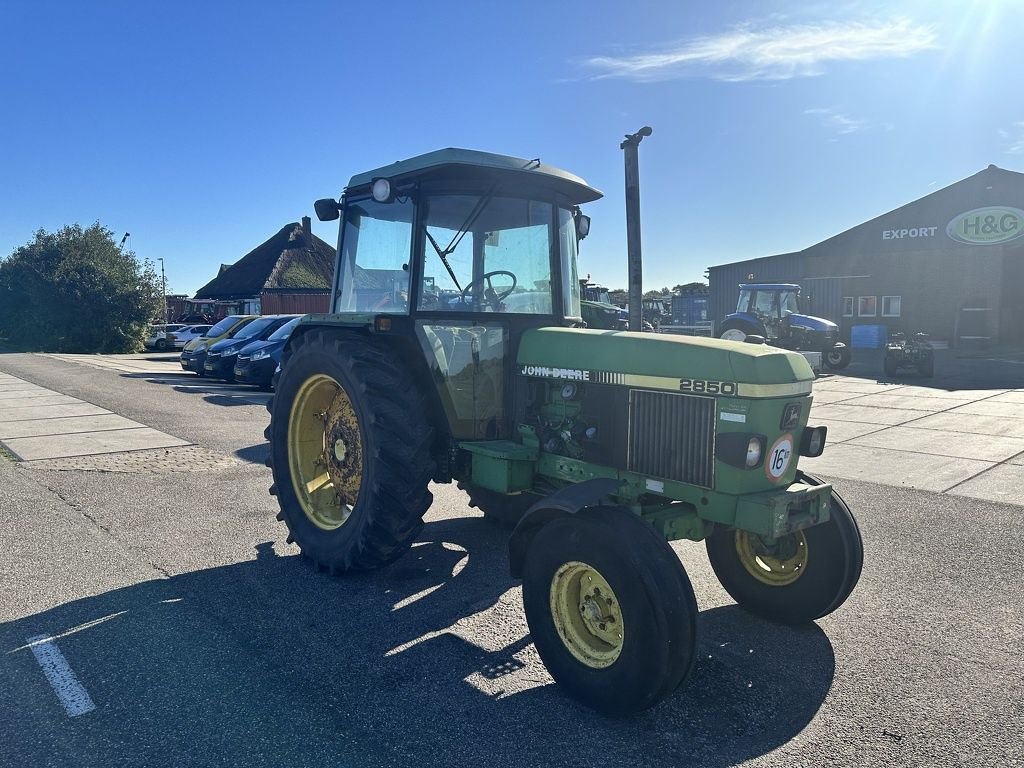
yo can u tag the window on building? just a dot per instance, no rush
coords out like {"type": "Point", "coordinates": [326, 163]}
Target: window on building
{"type": "Point", "coordinates": [867, 306]}
{"type": "Point", "coordinates": [847, 306]}
{"type": "Point", "coordinates": [891, 306]}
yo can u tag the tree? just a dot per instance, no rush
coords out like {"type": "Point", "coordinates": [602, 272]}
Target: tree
{"type": "Point", "coordinates": [695, 287]}
{"type": "Point", "coordinates": [74, 290]}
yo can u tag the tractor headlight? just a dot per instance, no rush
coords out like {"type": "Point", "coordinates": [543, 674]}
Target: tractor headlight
{"type": "Point", "coordinates": [812, 443]}
{"type": "Point", "coordinates": [740, 449]}
{"type": "Point", "coordinates": [381, 190]}
{"type": "Point", "coordinates": [755, 447]}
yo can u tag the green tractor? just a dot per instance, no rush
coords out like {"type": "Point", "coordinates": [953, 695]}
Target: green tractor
{"type": "Point", "coordinates": [454, 354]}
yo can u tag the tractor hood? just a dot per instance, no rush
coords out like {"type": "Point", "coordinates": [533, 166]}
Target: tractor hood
{"type": "Point", "coordinates": [812, 323]}
{"type": "Point", "coordinates": [649, 359]}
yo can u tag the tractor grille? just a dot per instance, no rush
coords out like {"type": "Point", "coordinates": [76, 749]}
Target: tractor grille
{"type": "Point", "coordinates": [672, 436]}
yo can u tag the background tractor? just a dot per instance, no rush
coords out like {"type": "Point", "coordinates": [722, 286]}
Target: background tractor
{"type": "Point", "coordinates": [601, 446]}
{"type": "Point", "coordinates": [772, 311]}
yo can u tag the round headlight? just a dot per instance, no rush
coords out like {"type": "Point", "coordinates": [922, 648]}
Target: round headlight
{"type": "Point", "coordinates": [381, 190]}
{"type": "Point", "coordinates": [754, 448]}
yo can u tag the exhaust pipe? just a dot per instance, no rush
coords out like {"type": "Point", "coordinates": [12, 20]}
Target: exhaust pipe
{"type": "Point", "coordinates": [634, 261]}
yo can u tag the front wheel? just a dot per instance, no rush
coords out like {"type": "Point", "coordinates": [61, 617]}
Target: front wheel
{"type": "Point", "coordinates": [610, 608]}
{"type": "Point", "coordinates": [837, 358]}
{"type": "Point", "coordinates": [350, 451]}
{"type": "Point", "coordinates": [796, 578]}
{"type": "Point", "coordinates": [161, 345]}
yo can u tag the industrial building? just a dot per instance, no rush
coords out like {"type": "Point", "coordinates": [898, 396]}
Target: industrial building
{"type": "Point", "coordinates": [950, 264]}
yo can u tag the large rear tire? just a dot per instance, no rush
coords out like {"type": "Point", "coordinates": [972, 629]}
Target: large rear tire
{"type": "Point", "coordinates": [734, 332]}
{"type": "Point", "coordinates": [350, 451]}
{"type": "Point", "coordinates": [802, 576]}
{"type": "Point", "coordinates": [610, 608]}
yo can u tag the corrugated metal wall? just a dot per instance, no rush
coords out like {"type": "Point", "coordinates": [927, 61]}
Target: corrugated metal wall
{"type": "Point", "coordinates": [296, 302]}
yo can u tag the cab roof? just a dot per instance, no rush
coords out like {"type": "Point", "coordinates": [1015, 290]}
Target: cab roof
{"type": "Point", "coordinates": [453, 162]}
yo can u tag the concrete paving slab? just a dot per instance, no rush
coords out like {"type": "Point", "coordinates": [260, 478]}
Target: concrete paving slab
{"type": "Point", "coordinates": [840, 412]}
{"type": "Point", "coordinates": [14, 386]}
{"type": "Point", "coordinates": [843, 384]}
{"type": "Point", "coordinates": [1016, 460]}
{"type": "Point", "coordinates": [1008, 397]}
{"type": "Point", "coordinates": [12, 406]}
{"type": "Point", "coordinates": [89, 443]}
{"type": "Point", "coordinates": [993, 408]}
{"type": "Point", "coordinates": [8, 398]}
{"type": "Point", "coordinates": [910, 402]}
{"type": "Point", "coordinates": [840, 431]}
{"type": "Point", "coordinates": [956, 421]}
{"type": "Point", "coordinates": [897, 468]}
{"type": "Point", "coordinates": [825, 396]}
{"type": "Point", "coordinates": [948, 394]}
{"type": "Point", "coordinates": [1004, 482]}
{"type": "Point", "coordinates": [76, 408]}
{"type": "Point", "coordinates": [943, 443]}
{"type": "Point", "coordinates": [65, 426]}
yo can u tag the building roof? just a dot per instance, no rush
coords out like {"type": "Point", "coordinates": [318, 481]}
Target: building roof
{"type": "Point", "coordinates": [921, 223]}
{"type": "Point", "coordinates": [292, 258]}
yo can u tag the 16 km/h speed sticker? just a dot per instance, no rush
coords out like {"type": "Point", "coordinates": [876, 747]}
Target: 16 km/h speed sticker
{"type": "Point", "coordinates": [777, 461]}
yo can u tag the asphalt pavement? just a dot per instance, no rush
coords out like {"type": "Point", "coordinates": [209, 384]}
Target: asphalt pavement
{"type": "Point", "coordinates": [162, 580]}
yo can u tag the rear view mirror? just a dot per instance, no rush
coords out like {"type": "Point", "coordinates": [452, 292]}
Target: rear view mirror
{"type": "Point", "coordinates": [326, 209]}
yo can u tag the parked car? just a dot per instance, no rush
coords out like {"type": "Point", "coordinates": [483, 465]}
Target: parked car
{"type": "Point", "coordinates": [193, 356]}
{"type": "Point", "coordinates": [220, 357]}
{"type": "Point", "coordinates": [257, 362]}
{"type": "Point", "coordinates": [179, 338]}
{"type": "Point", "coordinates": [157, 337]}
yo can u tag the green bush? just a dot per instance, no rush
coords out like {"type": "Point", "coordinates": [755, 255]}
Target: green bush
{"type": "Point", "coordinates": [74, 290]}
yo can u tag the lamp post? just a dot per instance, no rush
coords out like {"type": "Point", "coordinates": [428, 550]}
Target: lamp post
{"type": "Point", "coordinates": [163, 283]}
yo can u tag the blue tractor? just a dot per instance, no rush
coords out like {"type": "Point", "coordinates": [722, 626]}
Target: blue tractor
{"type": "Point", "coordinates": [772, 311]}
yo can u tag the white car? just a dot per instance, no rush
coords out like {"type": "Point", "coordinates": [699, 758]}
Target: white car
{"type": "Point", "coordinates": [157, 338]}
{"type": "Point", "coordinates": [179, 338]}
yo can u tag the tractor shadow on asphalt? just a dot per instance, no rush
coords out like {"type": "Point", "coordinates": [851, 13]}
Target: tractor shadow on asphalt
{"type": "Point", "coordinates": [425, 662]}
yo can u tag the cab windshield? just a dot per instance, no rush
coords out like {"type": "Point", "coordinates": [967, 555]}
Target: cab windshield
{"type": "Point", "coordinates": [479, 253]}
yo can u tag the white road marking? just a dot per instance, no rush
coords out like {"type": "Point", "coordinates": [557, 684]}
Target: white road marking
{"type": "Point", "coordinates": [73, 696]}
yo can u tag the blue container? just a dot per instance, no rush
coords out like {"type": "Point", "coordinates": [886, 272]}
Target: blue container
{"type": "Point", "coordinates": [689, 310]}
{"type": "Point", "coordinates": [868, 336]}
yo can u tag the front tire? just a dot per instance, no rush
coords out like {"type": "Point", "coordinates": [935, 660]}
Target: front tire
{"type": "Point", "coordinates": [350, 452]}
{"type": "Point", "coordinates": [804, 576]}
{"type": "Point", "coordinates": [734, 332]}
{"type": "Point", "coordinates": [610, 608]}
{"type": "Point", "coordinates": [161, 345]}
{"type": "Point", "coordinates": [837, 358]}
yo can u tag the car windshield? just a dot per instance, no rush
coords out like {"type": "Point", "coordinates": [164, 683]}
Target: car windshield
{"type": "Point", "coordinates": [256, 327]}
{"type": "Point", "coordinates": [285, 330]}
{"type": "Point", "coordinates": [223, 326]}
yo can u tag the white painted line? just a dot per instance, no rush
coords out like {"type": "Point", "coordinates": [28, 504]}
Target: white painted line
{"type": "Point", "coordinates": [73, 697]}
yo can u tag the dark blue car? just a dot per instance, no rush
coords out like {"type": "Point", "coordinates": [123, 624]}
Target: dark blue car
{"type": "Point", "coordinates": [221, 357]}
{"type": "Point", "coordinates": [256, 362]}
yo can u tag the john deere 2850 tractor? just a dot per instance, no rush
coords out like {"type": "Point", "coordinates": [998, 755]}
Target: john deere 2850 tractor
{"type": "Point", "coordinates": [454, 354]}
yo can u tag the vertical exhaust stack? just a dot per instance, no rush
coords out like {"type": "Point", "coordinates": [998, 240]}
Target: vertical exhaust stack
{"type": "Point", "coordinates": [634, 260]}
{"type": "Point", "coordinates": [307, 231]}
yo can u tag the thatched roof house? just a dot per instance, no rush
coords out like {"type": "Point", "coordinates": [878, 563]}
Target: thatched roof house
{"type": "Point", "coordinates": [294, 258]}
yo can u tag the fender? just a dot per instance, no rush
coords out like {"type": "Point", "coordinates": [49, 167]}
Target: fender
{"type": "Point", "coordinates": [565, 501]}
{"type": "Point", "coordinates": [747, 319]}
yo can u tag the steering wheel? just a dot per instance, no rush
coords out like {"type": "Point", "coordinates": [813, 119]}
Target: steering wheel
{"type": "Point", "coordinates": [491, 296]}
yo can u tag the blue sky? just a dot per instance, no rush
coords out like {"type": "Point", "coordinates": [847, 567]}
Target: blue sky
{"type": "Point", "coordinates": [202, 128]}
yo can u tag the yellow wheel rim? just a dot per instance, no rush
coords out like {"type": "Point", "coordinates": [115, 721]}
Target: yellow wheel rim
{"type": "Point", "coordinates": [776, 565]}
{"type": "Point", "coordinates": [325, 451]}
{"type": "Point", "coordinates": [587, 615]}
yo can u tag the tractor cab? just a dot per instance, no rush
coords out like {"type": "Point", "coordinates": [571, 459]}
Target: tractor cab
{"type": "Point", "coordinates": [466, 250]}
